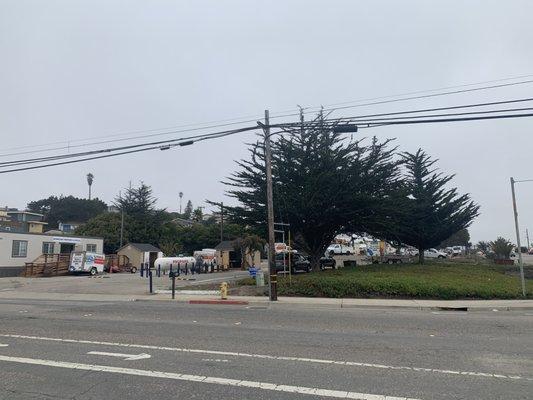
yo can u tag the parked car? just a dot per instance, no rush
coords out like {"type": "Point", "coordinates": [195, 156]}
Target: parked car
{"type": "Point", "coordinates": [457, 251]}
{"type": "Point", "coordinates": [297, 263]}
{"type": "Point", "coordinates": [339, 249]}
{"type": "Point", "coordinates": [328, 262]}
{"type": "Point", "coordinates": [433, 253]}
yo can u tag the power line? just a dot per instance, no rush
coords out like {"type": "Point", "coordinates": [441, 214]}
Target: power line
{"type": "Point", "coordinates": [433, 90]}
{"type": "Point", "coordinates": [246, 119]}
{"type": "Point", "coordinates": [443, 115]}
{"type": "Point", "coordinates": [107, 150]}
{"type": "Point", "coordinates": [430, 121]}
{"type": "Point", "coordinates": [222, 134]}
{"type": "Point", "coordinates": [431, 95]}
{"type": "Point", "coordinates": [131, 138]}
{"type": "Point", "coordinates": [416, 111]}
{"type": "Point", "coordinates": [212, 136]}
{"type": "Point", "coordinates": [110, 150]}
{"type": "Point", "coordinates": [363, 119]}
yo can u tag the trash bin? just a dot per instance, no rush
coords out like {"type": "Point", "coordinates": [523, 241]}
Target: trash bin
{"type": "Point", "coordinates": [259, 278]}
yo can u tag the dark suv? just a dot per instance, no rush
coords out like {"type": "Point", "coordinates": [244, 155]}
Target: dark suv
{"type": "Point", "coordinates": [297, 263]}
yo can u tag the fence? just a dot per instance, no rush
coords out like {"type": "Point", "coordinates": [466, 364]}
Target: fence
{"type": "Point", "coordinates": [47, 265]}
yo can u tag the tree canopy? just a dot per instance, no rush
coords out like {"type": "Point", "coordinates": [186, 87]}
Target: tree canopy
{"type": "Point", "coordinates": [431, 212]}
{"type": "Point", "coordinates": [67, 209]}
{"type": "Point", "coordinates": [322, 184]}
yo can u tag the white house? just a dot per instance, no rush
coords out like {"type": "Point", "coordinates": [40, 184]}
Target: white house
{"type": "Point", "coordinates": [17, 248]}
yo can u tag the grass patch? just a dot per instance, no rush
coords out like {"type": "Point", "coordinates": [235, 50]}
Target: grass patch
{"type": "Point", "coordinates": [431, 281]}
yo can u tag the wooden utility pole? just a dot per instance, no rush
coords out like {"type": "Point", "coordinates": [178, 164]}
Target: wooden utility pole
{"type": "Point", "coordinates": [221, 221]}
{"type": "Point", "coordinates": [270, 213]}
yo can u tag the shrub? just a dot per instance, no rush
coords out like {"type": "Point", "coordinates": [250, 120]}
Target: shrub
{"type": "Point", "coordinates": [502, 248]}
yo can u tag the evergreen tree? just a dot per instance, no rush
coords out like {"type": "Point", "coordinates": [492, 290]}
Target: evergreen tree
{"type": "Point", "coordinates": [432, 213]}
{"type": "Point", "coordinates": [187, 214]}
{"type": "Point", "coordinates": [322, 184]}
{"type": "Point", "coordinates": [197, 215]}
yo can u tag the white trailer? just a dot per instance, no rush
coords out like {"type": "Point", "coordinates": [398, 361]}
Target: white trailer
{"type": "Point", "coordinates": [84, 261]}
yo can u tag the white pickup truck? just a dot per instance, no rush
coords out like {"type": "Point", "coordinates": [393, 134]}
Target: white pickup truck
{"type": "Point", "coordinates": [434, 253]}
{"type": "Point", "coordinates": [339, 249]}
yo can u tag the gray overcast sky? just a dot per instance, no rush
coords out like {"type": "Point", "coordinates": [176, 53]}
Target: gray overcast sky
{"type": "Point", "coordinates": [78, 69]}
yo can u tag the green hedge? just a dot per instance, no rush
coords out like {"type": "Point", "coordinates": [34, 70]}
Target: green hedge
{"type": "Point", "coordinates": [431, 281]}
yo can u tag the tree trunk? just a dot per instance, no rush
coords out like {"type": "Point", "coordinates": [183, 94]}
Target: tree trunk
{"type": "Point", "coordinates": [315, 261]}
{"type": "Point", "coordinates": [420, 255]}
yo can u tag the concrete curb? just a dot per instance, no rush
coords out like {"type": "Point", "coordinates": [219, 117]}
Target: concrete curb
{"type": "Point", "coordinates": [225, 302]}
{"type": "Point", "coordinates": [285, 302]}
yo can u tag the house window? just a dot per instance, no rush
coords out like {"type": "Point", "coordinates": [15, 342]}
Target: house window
{"type": "Point", "coordinates": [91, 248]}
{"type": "Point", "coordinates": [20, 248]}
{"type": "Point", "coordinates": [48, 247]}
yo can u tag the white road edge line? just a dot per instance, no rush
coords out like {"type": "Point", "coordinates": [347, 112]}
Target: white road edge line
{"type": "Point", "coordinates": [3, 345]}
{"type": "Point", "coordinates": [277, 358]}
{"type": "Point", "coordinates": [340, 394]}
{"type": "Point", "coordinates": [127, 357]}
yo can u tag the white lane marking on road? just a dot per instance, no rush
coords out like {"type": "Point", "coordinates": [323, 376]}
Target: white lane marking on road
{"type": "Point", "coordinates": [215, 360]}
{"type": "Point", "coordinates": [3, 345]}
{"type": "Point", "coordinates": [127, 357]}
{"type": "Point", "coordinates": [270, 357]}
{"type": "Point", "coordinates": [203, 379]}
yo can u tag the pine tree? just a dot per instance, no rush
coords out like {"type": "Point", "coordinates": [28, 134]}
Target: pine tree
{"type": "Point", "coordinates": [432, 213]}
{"type": "Point", "coordinates": [322, 184]}
{"type": "Point", "coordinates": [188, 210]}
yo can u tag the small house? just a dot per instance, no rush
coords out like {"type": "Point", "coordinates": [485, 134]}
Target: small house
{"type": "Point", "coordinates": [140, 253]}
{"type": "Point", "coordinates": [230, 256]}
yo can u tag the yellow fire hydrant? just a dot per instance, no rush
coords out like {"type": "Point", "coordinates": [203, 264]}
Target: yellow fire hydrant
{"type": "Point", "coordinates": [224, 290]}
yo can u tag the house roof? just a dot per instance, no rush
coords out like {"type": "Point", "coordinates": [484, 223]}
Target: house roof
{"type": "Point", "coordinates": [144, 247]}
{"type": "Point", "coordinates": [24, 212]}
{"type": "Point", "coordinates": [226, 245]}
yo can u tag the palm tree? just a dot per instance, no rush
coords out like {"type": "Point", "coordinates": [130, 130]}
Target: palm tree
{"type": "Point", "coordinates": [248, 245]}
{"type": "Point", "coordinates": [181, 196]}
{"type": "Point", "coordinates": [90, 178]}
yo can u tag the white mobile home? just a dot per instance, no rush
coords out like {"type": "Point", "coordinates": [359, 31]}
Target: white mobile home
{"type": "Point", "coordinates": [16, 249]}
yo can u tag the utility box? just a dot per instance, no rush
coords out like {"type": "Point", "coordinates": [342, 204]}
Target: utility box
{"type": "Point", "coordinates": [260, 278]}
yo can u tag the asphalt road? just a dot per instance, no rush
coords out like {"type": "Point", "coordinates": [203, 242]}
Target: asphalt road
{"type": "Point", "coordinates": [153, 350]}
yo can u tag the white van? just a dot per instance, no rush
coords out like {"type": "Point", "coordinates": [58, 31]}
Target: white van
{"type": "Point", "coordinates": [84, 261]}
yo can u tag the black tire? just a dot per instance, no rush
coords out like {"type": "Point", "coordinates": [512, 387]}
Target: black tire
{"type": "Point", "coordinates": [389, 261]}
{"type": "Point", "coordinates": [400, 261]}
{"type": "Point", "coordinates": [441, 257]}
{"type": "Point", "coordinates": [348, 252]}
{"type": "Point", "coordinates": [93, 271]}
{"type": "Point", "coordinates": [133, 270]}
{"type": "Point", "coordinates": [331, 253]}
{"type": "Point", "coordinates": [308, 269]}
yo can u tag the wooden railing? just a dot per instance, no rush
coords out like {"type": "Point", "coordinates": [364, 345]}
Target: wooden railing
{"type": "Point", "coordinates": [47, 265]}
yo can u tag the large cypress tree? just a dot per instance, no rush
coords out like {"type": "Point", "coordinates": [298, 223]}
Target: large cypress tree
{"type": "Point", "coordinates": [432, 212]}
{"type": "Point", "coordinates": [323, 183]}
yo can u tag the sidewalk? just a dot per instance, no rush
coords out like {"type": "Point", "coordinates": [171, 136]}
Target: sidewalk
{"type": "Point", "coordinates": [300, 302]}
